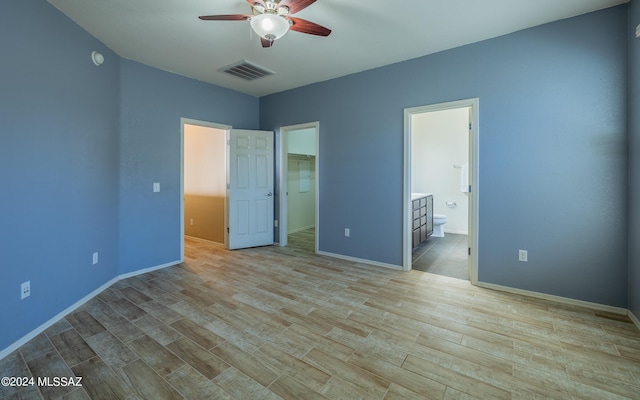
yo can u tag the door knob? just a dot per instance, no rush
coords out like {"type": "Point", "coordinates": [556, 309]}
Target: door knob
{"type": "Point", "coordinates": [269, 194]}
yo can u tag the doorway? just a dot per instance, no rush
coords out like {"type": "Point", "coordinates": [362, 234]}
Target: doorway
{"type": "Point", "coordinates": [455, 198]}
{"type": "Point", "coordinates": [203, 181]}
{"type": "Point", "coordinates": [299, 186]}
{"type": "Point", "coordinates": [249, 184]}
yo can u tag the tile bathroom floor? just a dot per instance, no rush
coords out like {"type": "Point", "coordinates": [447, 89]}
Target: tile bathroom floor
{"type": "Point", "coordinates": [443, 256]}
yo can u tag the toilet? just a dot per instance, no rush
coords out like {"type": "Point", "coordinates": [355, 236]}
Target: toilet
{"type": "Point", "coordinates": [438, 221]}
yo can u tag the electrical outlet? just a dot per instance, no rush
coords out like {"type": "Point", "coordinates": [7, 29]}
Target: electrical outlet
{"type": "Point", "coordinates": [522, 255]}
{"type": "Point", "coordinates": [347, 232]}
{"type": "Point", "coordinates": [191, 221]}
{"type": "Point", "coordinates": [25, 290]}
{"type": "Point", "coordinates": [95, 258]}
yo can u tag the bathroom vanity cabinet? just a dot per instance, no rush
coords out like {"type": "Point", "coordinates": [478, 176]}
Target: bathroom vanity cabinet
{"type": "Point", "coordinates": [422, 212]}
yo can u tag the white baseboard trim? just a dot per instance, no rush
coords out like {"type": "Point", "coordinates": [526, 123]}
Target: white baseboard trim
{"type": "Point", "coordinates": [145, 270]}
{"type": "Point", "coordinates": [360, 260]}
{"type": "Point", "coordinates": [558, 299]}
{"type": "Point", "coordinates": [635, 320]}
{"type": "Point", "coordinates": [202, 240]}
{"type": "Point", "coordinates": [23, 340]}
{"type": "Point", "coordinates": [456, 232]}
{"type": "Point", "coordinates": [5, 352]}
{"type": "Point", "coordinates": [304, 228]}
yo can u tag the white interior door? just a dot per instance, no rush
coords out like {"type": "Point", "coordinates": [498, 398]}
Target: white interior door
{"type": "Point", "coordinates": [250, 188]}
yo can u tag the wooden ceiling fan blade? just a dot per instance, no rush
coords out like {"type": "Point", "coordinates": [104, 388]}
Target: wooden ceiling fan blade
{"type": "Point", "coordinates": [230, 17]}
{"type": "Point", "coordinates": [296, 5]}
{"type": "Point", "coordinates": [304, 26]}
{"type": "Point", "coordinates": [266, 42]}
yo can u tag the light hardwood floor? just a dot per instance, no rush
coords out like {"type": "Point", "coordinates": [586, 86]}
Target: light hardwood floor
{"type": "Point", "coordinates": [272, 322]}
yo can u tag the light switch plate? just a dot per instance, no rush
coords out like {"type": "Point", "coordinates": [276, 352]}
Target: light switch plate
{"type": "Point", "coordinates": [522, 255]}
{"type": "Point", "coordinates": [156, 187]}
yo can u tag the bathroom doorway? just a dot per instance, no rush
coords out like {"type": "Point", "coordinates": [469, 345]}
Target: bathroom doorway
{"type": "Point", "coordinates": [440, 159]}
{"type": "Point", "coordinates": [299, 186]}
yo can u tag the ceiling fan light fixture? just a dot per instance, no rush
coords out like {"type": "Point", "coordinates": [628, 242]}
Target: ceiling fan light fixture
{"type": "Point", "coordinates": [270, 26]}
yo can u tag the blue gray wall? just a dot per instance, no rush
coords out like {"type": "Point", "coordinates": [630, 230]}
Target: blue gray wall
{"type": "Point", "coordinates": [59, 162]}
{"type": "Point", "coordinates": [80, 147]}
{"type": "Point", "coordinates": [553, 158]}
{"type": "Point", "coordinates": [152, 104]}
{"type": "Point", "coordinates": [634, 160]}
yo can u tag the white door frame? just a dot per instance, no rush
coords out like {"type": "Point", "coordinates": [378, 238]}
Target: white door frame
{"type": "Point", "coordinates": [183, 122]}
{"type": "Point", "coordinates": [473, 180]}
{"type": "Point", "coordinates": [283, 229]}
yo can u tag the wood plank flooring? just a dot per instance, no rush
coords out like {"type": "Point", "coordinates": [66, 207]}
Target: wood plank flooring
{"type": "Point", "coordinates": [271, 323]}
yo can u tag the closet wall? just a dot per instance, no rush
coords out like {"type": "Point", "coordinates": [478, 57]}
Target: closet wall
{"type": "Point", "coordinates": [301, 183]}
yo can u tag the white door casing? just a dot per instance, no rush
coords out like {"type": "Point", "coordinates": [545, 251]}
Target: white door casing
{"type": "Point", "coordinates": [474, 146]}
{"type": "Point", "coordinates": [283, 187]}
{"type": "Point", "coordinates": [250, 189]}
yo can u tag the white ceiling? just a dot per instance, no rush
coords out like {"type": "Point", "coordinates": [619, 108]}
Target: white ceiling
{"type": "Point", "coordinates": [167, 34]}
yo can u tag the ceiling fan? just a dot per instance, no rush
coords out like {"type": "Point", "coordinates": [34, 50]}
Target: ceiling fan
{"type": "Point", "coordinates": [271, 19]}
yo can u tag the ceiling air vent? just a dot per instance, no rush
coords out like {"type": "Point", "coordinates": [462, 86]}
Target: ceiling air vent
{"type": "Point", "coordinates": [246, 70]}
